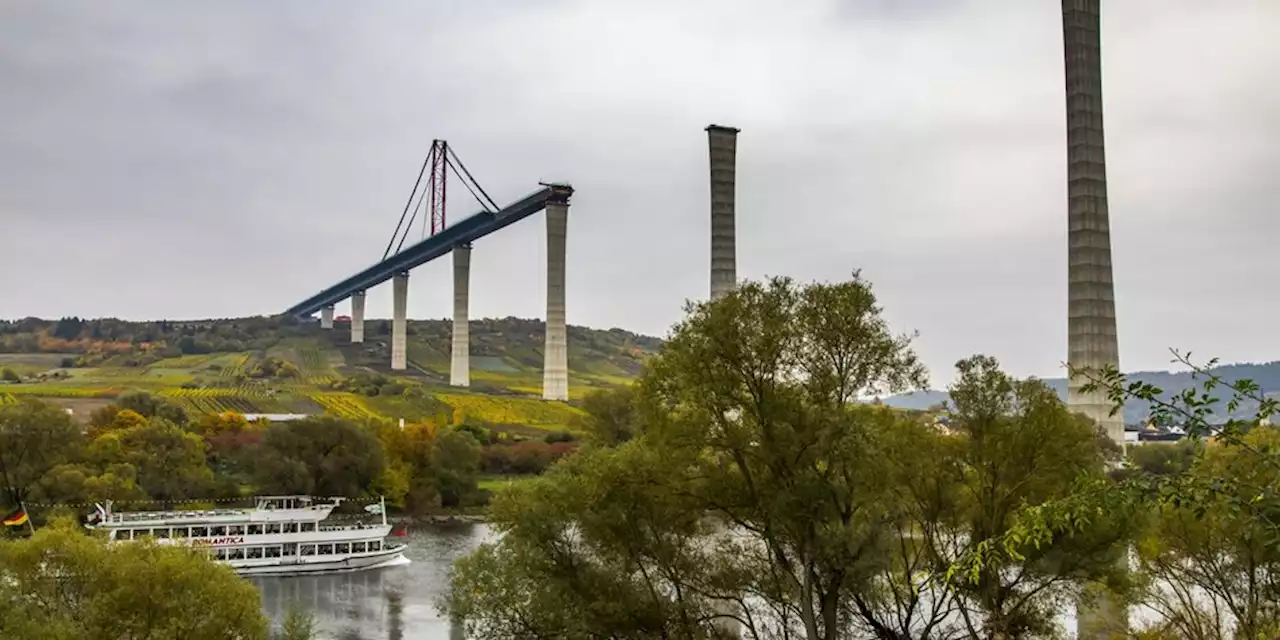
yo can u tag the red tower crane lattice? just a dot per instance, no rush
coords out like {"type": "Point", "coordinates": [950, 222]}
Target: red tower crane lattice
{"type": "Point", "coordinates": [437, 185]}
{"type": "Point", "coordinates": [431, 198]}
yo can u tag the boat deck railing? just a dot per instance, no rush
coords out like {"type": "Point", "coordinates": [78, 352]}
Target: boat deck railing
{"type": "Point", "coordinates": [141, 516]}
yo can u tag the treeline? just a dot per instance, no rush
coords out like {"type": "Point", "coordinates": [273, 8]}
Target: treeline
{"type": "Point", "coordinates": [742, 484]}
{"type": "Point", "coordinates": [165, 338]}
{"type": "Point", "coordinates": [145, 448]}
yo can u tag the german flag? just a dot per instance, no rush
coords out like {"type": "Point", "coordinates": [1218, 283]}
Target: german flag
{"type": "Point", "coordinates": [16, 519]}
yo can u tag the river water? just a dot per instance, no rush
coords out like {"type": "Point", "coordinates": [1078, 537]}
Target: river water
{"type": "Point", "coordinates": [393, 603]}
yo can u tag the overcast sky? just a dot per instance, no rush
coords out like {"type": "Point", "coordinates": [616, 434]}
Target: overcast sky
{"type": "Point", "coordinates": [212, 159]}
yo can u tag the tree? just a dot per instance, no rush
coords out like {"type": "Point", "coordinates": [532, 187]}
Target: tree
{"type": "Point", "coordinates": [611, 415]}
{"type": "Point", "coordinates": [749, 415]}
{"type": "Point", "coordinates": [170, 462]}
{"type": "Point", "coordinates": [9, 375]}
{"type": "Point", "coordinates": [151, 406]}
{"type": "Point", "coordinates": [61, 584]}
{"type": "Point", "coordinates": [1021, 447]}
{"type": "Point", "coordinates": [318, 456]}
{"type": "Point", "coordinates": [457, 463]}
{"type": "Point", "coordinates": [1212, 554]}
{"type": "Point", "coordinates": [35, 436]}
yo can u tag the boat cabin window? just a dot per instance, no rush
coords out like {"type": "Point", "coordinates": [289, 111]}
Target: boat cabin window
{"type": "Point", "coordinates": [235, 529]}
{"type": "Point", "coordinates": [290, 527]}
{"type": "Point", "coordinates": [271, 528]}
{"type": "Point", "coordinates": [325, 550]}
{"type": "Point", "coordinates": [375, 545]}
{"type": "Point", "coordinates": [220, 554]}
{"type": "Point", "coordinates": [217, 531]}
{"type": "Point", "coordinates": [179, 532]}
{"type": "Point", "coordinates": [308, 549]}
{"type": "Point", "coordinates": [271, 552]}
{"type": "Point", "coordinates": [291, 549]}
{"type": "Point", "coordinates": [124, 534]}
{"type": "Point", "coordinates": [358, 547]}
{"type": "Point", "coordinates": [253, 553]}
{"type": "Point", "coordinates": [308, 527]}
{"type": "Point", "coordinates": [342, 548]}
{"type": "Point", "coordinates": [235, 554]}
{"type": "Point", "coordinates": [199, 532]}
{"type": "Point", "coordinates": [160, 533]}
{"type": "Point", "coordinates": [255, 529]}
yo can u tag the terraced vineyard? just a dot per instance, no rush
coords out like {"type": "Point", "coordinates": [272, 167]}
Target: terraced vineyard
{"type": "Point", "coordinates": [345, 405]}
{"type": "Point", "coordinates": [61, 391]}
{"type": "Point", "coordinates": [510, 410]}
{"type": "Point", "coordinates": [235, 365]}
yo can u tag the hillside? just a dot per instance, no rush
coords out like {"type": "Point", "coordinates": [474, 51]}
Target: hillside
{"type": "Point", "coordinates": [1267, 376]}
{"type": "Point", "coordinates": [272, 365]}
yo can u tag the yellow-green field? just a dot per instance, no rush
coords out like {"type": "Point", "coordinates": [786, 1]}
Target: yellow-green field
{"type": "Point", "coordinates": [505, 390]}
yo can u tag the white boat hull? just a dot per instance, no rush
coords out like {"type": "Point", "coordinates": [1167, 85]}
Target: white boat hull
{"type": "Point", "coordinates": [312, 565]}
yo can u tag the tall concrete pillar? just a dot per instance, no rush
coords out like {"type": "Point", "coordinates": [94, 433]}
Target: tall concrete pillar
{"type": "Point", "coordinates": [1091, 307]}
{"type": "Point", "coordinates": [357, 317]}
{"type": "Point", "coordinates": [399, 319]}
{"type": "Point", "coordinates": [460, 365]}
{"type": "Point", "coordinates": [555, 368]}
{"type": "Point", "coordinates": [723, 144]}
{"type": "Point", "coordinates": [326, 317]}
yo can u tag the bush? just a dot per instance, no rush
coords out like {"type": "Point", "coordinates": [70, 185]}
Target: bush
{"type": "Point", "coordinates": [523, 457]}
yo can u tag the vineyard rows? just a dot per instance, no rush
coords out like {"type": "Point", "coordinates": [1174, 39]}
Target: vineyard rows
{"type": "Point", "coordinates": [235, 367]}
{"type": "Point", "coordinates": [7, 398]}
{"type": "Point", "coordinates": [218, 404]}
{"type": "Point", "coordinates": [244, 390]}
{"type": "Point", "coordinates": [58, 391]}
{"type": "Point", "coordinates": [313, 359]}
{"type": "Point", "coordinates": [344, 405]}
{"type": "Point", "coordinates": [508, 410]}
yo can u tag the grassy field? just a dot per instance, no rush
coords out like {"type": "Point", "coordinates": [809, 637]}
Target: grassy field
{"type": "Point", "coordinates": [506, 377]}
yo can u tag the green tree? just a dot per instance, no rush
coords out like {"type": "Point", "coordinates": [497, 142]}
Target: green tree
{"type": "Point", "coordinates": [170, 463]}
{"type": "Point", "coordinates": [1211, 556]}
{"type": "Point", "coordinates": [456, 457]}
{"type": "Point", "coordinates": [35, 436]}
{"type": "Point", "coordinates": [9, 375]}
{"type": "Point", "coordinates": [1021, 447]}
{"type": "Point", "coordinates": [150, 406]}
{"type": "Point", "coordinates": [750, 418]}
{"type": "Point", "coordinates": [319, 456]}
{"type": "Point", "coordinates": [61, 584]}
{"type": "Point", "coordinates": [611, 415]}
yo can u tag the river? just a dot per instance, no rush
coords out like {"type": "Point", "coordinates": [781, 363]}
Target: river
{"type": "Point", "coordinates": [395, 603]}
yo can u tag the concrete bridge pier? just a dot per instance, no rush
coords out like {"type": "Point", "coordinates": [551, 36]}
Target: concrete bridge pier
{"type": "Point", "coordinates": [399, 319]}
{"type": "Point", "coordinates": [555, 368]}
{"type": "Point", "coordinates": [722, 143]}
{"type": "Point", "coordinates": [326, 317]}
{"type": "Point", "coordinates": [460, 365]}
{"type": "Point", "coordinates": [357, 317]}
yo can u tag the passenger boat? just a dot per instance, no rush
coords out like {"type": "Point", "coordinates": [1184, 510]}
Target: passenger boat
{"type": "Point", "coordinates": [280, 535]}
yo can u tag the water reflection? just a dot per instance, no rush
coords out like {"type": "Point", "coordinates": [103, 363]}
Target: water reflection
{"type": "Point", "coordinates": [396, 603]}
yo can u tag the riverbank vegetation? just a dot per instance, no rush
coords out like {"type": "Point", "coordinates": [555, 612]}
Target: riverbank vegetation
{"type": "Point", "coordinates": [144, 451]}
{"type": "Point", "coordinates": [740, 484]}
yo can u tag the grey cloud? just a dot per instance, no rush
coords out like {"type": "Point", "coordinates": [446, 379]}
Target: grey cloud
{"type": "Point", "coordinates": [212, 159]}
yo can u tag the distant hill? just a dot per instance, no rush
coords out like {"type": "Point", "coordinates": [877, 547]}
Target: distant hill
{"type": "Point", "coordinates": [281, 365]}
{"type": "Point", "coordinates": [1266, 375]}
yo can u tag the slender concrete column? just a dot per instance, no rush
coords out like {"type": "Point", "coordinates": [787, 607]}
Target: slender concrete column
{"type": "Point", "coordinates": [399, 321]}
{"type": "Point", "coordinates": [326, 317]}
{"type": "Point", "coordinates": [357, 317]}
{"type": "Point", "coordinates": [723, 145]}
{"type": "Point", "coordinates": [460, 365]}
{"type": "Point", "coordinates": [555, 368]}
{"type": "Point", "coordinates": [1091, 314]}
{"type": "Point", "coordinates": [1091, 307]}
